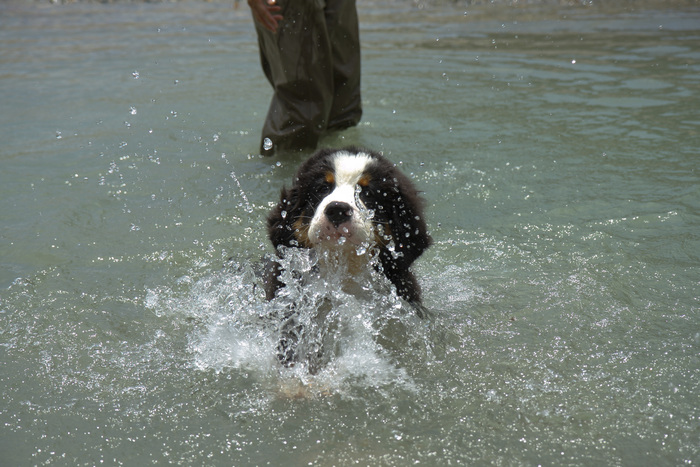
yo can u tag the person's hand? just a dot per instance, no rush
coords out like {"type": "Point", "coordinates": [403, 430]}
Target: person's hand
{"type": "Point", "coordinates": [266, 12]}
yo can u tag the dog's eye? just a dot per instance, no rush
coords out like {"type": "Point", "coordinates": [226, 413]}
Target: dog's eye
{"type": "Point", "coordinates": [325, 188]}
{"type": "Point", "coordinates": [367, 195]}
{"type": "Point", "coordinates": [363, 192]}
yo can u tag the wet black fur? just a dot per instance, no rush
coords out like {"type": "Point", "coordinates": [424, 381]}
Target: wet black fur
{"type": "Point", "coordinates": [397, 206]}
{"type": "Point", "coordinates": [392, 196]}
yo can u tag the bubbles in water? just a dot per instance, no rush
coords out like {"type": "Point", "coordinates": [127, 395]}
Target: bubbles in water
{"type": "Point", "coordinates": [267, 144]}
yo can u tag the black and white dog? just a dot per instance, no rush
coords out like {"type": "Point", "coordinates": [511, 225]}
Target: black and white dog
{"type": "Point", "coordinates": [358, 206]}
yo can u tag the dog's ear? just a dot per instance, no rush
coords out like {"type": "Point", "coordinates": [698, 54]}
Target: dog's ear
{"type": "Point", "coordinates": [409, 231]}
{"type": "Point", "coordinates": [409, 235]}
{"type": "Point", "coordinates": [280, 226]}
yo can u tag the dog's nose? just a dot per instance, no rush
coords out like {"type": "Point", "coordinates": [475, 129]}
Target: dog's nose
{"type": "Point", "coordinates": [338, 212]}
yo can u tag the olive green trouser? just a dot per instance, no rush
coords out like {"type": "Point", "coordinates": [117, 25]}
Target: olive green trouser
{"type": "Point", "coordinates": [313, 64]}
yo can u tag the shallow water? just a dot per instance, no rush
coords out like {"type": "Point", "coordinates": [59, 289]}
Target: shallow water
{"type": "Point", "coordinates": [557, 148]}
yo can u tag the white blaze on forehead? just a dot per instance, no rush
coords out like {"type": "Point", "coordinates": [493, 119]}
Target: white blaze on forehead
{"type": "Point", "coordinates": [348, 170]}
{"type": "Point", "coordinates": [349, 167]}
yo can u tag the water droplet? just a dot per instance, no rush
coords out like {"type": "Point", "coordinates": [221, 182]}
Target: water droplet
{"type": "Point", "coordinates": [132, 110]}
{"type": "Point", "coordinates": [135, 74]}
{"type": "Point", "coordinates": [267, 144]}
{"type": "Point", "coordinates": [248, 208]}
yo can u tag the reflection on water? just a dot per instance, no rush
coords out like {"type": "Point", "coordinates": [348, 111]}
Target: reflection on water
{"type": "Point", "coordinates": [556, 146]}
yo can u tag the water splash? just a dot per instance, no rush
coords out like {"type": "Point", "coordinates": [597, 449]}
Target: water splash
{"type": "Point", "coordinates": [355, 335]}
{"type": "Point", "coordinates": [248, 208]}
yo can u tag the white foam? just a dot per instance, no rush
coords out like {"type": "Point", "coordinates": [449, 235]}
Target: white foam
{"type": "Point", "coordinates": [236, 329]}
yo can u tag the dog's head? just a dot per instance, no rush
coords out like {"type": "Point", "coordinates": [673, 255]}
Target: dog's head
{"type": "Point", "coordinates": [350, 198]}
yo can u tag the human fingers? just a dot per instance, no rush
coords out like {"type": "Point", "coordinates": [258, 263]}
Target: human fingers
{"type": "Point", "coordinates": [264, 12]}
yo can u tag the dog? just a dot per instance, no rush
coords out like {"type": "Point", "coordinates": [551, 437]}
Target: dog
{"type": "Point", "coordinates": [355, 206]}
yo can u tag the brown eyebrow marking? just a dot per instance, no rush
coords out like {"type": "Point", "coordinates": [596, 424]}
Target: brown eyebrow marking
{"type": "Point", "coordinates": [364, 180]}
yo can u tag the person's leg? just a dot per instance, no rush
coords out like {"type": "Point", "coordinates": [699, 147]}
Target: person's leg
{"type": "Point", "coordinates": [297, 61]}
{"type": "Point", "coordinates": [343, 30]}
